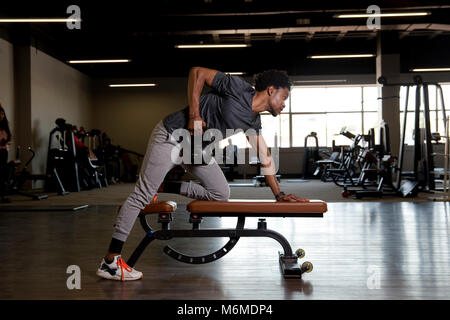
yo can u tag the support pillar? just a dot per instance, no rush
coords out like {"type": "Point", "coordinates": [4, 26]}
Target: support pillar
{"type": "Point", "coordinates": [388, 65]}
{"type": "Point", "coordinates": [22, 134]}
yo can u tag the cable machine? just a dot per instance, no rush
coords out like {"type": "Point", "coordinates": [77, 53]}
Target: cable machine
{"type": "Point", "coordinates": [424, 169]}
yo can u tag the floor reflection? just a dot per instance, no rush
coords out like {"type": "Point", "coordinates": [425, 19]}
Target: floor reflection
{"type": "Point", "coordinates": [403, 247]}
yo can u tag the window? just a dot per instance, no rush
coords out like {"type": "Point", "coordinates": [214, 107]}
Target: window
{"type": "Point", "coordinates": [370, 98]}
{"type": "Point", "coordinates": [304, 124]}
{"type": "Point", "coordinates": [326, 111]}
{"type": "Point", "coordinates": [277, 127]}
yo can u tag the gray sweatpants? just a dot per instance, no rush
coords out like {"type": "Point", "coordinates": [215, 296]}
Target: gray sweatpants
{"type": "Point", "coordinates": [156, 164]}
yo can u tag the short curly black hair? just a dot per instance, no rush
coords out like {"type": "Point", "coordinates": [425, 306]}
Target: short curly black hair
{"type": "Point", "coordinates": [276, 78]}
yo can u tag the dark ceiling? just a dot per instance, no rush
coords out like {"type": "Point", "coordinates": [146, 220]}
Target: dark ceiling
{"type": "Point", "coordinates": [281, 34]}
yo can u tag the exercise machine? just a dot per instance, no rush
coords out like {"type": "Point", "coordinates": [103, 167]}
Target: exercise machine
{"type": "Point", "coordinates": [378, 169]}
{"type": "Point", "coordinates": [345, 163]}
{"type": "Point", "coordinates": [423, 176]}
{"type": "Point", "coordinates": [94, 159]}
{"type": "Point", "coordinates": [310, 156]}
{"type": "Point", "coordinates": [16, 179]}
{"type": "Point", "coordinates": [61, 160]}
{"type": "Point", "coordinates": [241, 209]}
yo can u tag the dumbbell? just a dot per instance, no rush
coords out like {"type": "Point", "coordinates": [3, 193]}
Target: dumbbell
{"type": "Point", "coordinates": [198, 151]}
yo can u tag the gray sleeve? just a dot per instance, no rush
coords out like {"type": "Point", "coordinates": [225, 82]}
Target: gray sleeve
{"type": "Point", "coordinates": [255, 129]}
{"type": "Point", "coordinates": [226, 84]}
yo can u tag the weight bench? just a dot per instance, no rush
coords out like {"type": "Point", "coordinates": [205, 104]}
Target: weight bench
{"type": "Point", "coordinates": [233, 208]}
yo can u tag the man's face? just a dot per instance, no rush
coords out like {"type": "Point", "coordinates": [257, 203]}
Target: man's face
{"type": "Point", "coordinates": [277, 98]}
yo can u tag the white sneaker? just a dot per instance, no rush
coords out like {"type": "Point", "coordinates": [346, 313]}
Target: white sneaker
{"type": "Point", "coordinates": [118, 270]}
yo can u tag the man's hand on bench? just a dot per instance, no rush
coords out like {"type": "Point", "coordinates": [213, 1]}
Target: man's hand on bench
{"type": "Point", "coordinates": [291, 198]}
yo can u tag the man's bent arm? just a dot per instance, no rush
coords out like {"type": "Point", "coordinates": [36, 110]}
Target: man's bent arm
{"type": "Point", "coordinates": [198, 77]}
{"type": "Point", "coordinates": [268, 167]}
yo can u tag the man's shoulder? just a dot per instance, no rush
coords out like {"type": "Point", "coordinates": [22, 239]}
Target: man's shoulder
{"type": "Point", "coordinates": [234, 84]}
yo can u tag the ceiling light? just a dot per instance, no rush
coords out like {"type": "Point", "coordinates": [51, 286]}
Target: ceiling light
{"type": "Point", "coordinates": [321, 81]}
{"type": "Point", "coordinates": [383, 15]}
{"type": "Point", "coordinates": [201, 46]}
{"type": "Point", "coordinates": [429, 69]}
{"type": "Point", "coordinates": [100, 61]}
{"type": "Point", "coordinates": [339, 56]}
{"type": "Point", "coordinates": [132, 85]}
{"type": "Point", "coordinates": [41, 20]}
{"type": "Point", "coordinates": [235, 73]}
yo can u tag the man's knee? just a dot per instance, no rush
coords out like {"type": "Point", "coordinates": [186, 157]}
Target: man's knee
{"type": "Point", "coordinates": [222, 194]}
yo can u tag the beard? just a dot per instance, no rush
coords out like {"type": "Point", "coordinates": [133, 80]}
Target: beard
{"type": "Point", "coordinates": [272, 112]}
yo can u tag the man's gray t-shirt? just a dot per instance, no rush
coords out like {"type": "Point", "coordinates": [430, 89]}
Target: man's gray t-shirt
{"type": "Point", "coordinates": [227, 106]}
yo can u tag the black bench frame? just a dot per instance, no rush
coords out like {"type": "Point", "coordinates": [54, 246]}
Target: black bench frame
{"type": "Point", "coordinates": [288, 260]}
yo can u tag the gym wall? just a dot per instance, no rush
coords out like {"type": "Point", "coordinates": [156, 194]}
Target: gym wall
{"type": "Point", "coordinates": [128, 115]}
{"type": "Point", "coordinates": [57, 91]}
{"type": "Point", "coordinates": [7, 85]}
{"type": "Point", "coordinates": [35, 89]}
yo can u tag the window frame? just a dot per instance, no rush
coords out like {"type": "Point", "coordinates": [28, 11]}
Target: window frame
{"type": "Point", "coordinates": [291, 113]}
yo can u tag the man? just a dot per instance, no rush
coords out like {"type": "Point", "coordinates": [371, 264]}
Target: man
{"type": "Point", "coordinates": [232, 104]}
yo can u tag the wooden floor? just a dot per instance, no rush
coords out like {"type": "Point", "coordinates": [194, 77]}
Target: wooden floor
{"type": "Point", "coordinates": [363, 250]}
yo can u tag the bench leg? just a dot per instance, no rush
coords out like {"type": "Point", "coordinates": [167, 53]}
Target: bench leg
{"type": "Point", "coordinates": [290, 267]}
{"type": "Point", "coordinates": [139, 250]}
